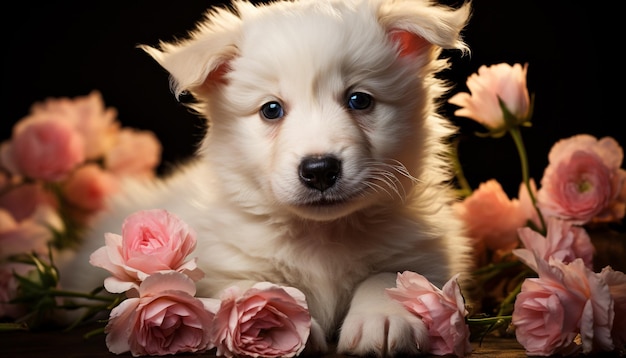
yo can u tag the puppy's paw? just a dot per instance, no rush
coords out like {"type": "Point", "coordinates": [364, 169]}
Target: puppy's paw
{"type": "Point", "coordinates": [317, 341]}
{"type": "Point", "coordinates": [382, 334]}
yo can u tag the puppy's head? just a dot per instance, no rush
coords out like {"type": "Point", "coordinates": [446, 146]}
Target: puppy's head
{"type": "Point", "coordinates": [319, 108]}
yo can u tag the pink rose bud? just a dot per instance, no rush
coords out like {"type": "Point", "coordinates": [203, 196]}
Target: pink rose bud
{"type": "Point", "coordinates": [89, 186]}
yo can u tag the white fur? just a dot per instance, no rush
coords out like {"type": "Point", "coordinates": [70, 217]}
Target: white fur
{"type": "Point", "coordinates": [255, 219]}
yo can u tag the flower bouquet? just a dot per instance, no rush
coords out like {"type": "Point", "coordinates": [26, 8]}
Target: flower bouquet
{"type": "Point", "coordinates": [64, 159]}
{"type": "Point", "coordinates": [534, 253]}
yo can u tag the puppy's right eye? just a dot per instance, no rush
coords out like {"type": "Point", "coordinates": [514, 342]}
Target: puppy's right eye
{"type": "Point", "coordinates": [272, 110]}
{"type": "Point", "coordinates": [359, 101]}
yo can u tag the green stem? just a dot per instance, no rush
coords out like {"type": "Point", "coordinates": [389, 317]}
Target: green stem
{"type": "Point", "coordinates": [489, 320]}
{"type": "Point", "coordinates": [497, 267]}
{"type": "Point", "coordinates": [521, 149]}
{"type": "Point", "coordinates": [93, 333]}
{"type": "Point", "coordinates": [465, 188]}
{"type": "Point", "coordinates": [63, 293]}
{"type": "Point", "coordinates": [13, 326]}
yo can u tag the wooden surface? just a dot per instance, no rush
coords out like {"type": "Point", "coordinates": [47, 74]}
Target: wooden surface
{"type": "Point", "coordinates": [73, 344]}
{"type": "Point", "coordinates": [55, 343]}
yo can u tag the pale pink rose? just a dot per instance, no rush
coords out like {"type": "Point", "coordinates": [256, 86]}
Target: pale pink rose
{"type": "Point", "coordinates": [566, 310]}
{"type": "Point", "coordinates": [616, 281]}
{"type": "Point", "coordinates": [89, 186]}
{"type": "Point", "coordinates": [151, 241]}
{"type": "Point", "coordinates": [135, 152]}
{"type": "Point", "coordinates": [583, 181]}
{"type": "Point", "coordinates": [164, 319]}
{"type": "Point", "coordinates": [596, 322]}
{"type": "Point", "coordinates": [22, 199]}
{"type": "Point", "coordinates": [30, 235]}
{"type": "Point", "coordinates": [9, 289]}
{"type": "Point", "coordinates": [492, 82]}
{"type": "Point", "coordinates": [97, 124]}
{"type": "Point", "coordinates": [44, 148]}
{"type": "Point", "coordinates": [442, 310]}
{"type": "Point", "coordinates": [544, 324]}
{"type": "Point", "coordinates": [491, 217]}
{"type": "Point", "coordinates": [563, 241]}
{"type": "Point", "coordinates": [28, 216]}
{"type": "Point", "coordinates": [265, 321]}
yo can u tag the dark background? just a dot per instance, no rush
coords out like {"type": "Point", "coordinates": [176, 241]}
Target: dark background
{"type": "Point", "coordinates": [71, 48]}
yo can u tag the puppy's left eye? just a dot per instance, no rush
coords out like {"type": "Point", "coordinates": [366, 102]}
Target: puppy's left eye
{"type": "Point", "coordinates": [272, 110]}
{"type": "Point", "coordinates": [359, 100]}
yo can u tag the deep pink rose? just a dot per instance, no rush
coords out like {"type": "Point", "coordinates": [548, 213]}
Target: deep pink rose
{"type": "Point", "coordinates": [151, 241]}
{"type": "Point", "coordinates": [563, 241]}
{"type": "Point", "coordinates": [134, 153]}
{"type": "Point", "coordinates": [492, 218]}
{"type": "Point", "coordinates": [616, 281]}
{"type": "Point", "coordinates": [265, 321]}
{"type": "Point", "coordinates": [44, 148]}
{"type": "Point", "coordinates": [583, 181]}
{"type": "Point", "coordinates": [567, 309]}
{"type": "Point", "coordinates": [442, 310]}
{"type": "Point", "coordinates": [89, 186]}
{"type": "Point", "coordinates": [490, 83]}
{"type": "Point", "coordinates": [88, 115]}
{"type": "Point", "coordinates": [166, 318]}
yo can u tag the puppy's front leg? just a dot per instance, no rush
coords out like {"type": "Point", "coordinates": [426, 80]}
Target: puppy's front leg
{"type": "Point", "coordinates": [375, 324]}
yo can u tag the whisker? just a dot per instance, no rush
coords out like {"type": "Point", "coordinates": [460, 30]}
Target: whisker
{"type": "Point", "coordinates": [383, 172]}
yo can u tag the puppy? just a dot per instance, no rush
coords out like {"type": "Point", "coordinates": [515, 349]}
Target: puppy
{"type": "Point", "coordinates": [324, 165]}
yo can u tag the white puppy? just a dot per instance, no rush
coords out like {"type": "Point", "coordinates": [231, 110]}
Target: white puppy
{"type": "Point", "coordinates": [324, 166]}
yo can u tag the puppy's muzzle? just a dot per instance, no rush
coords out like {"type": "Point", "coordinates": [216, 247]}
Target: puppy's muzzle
{"type": "Point", "coordinates": [320, 172]}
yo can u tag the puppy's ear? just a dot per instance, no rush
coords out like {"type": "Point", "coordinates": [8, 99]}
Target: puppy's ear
{"type": "Point", "coordinates": [416, 25]}
{"type": "Point", "coordinates": [201, 61]}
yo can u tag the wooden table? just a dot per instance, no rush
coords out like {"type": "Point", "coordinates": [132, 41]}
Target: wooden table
{"type": "Point", "coordinates": [56, 343]}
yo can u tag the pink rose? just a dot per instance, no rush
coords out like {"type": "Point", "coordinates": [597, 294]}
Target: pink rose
{"type": "Point", "coordinates": [22, 199]}
{"type": "Point", "coordinates": [442, 310]}
{"type": "Point", "coordinates": [596, 321]}
{"type": "Point", "coordinates": [44, 148]}
{"type": "Point", "coordinates": [502, 81]}
{"type": "Point", "coordinates": [563, 241]}
{"type": "Point", "coordinates": [27, 236]}
{"type": "Point", "coordinates": [583, 180]}
{"type": "Point", "coordinates": [151, 241]}
{"type": "Point", "coordinates": [164, 319]}
{"type": "Point", "coordinates": [89, 186]}
{"type": "Point", "coordinates": [265, 321]}
{"type": "Point", "coordinates": [616, 281]}
{"type": "Point", "coordinates": [28, 216]}
{"type": "Point", "coordinates": [88, 115]}
{"type": "Point", "coordinates": [492, 218]}
{"type": "Point", "coordinates": [134, 153]}
{"type": "Point", "coordinates": [566, 302]}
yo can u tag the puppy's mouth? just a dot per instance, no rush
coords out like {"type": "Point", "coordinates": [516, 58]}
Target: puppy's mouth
{"type": "Point", "coordinates": [324, 202]}
{"type": "Point", "coordinates": [328, 199]}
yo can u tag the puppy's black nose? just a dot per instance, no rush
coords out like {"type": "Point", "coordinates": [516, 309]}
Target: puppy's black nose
{"type": "Point", "coordinates": [319, 172]}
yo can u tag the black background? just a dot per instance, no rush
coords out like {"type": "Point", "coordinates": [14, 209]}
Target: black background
{"type": "Point", "coordinates": [71, 48]}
